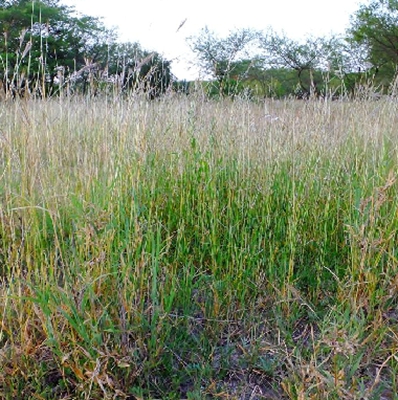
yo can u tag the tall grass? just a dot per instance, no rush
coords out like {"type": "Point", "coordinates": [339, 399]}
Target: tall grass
{"type": "Point", "coordinates": [184, 248]}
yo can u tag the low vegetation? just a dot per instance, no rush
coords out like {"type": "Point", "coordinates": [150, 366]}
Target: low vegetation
{"type": "Point", "coordinates": [187, 248]}
{"type": "Point", "coordinates": [49, 49]}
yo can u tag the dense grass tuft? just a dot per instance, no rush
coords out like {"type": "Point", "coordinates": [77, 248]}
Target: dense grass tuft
{"type": "Point", "coordinates": [188, 249]}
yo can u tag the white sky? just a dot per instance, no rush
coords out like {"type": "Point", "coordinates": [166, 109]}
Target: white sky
{"type": "Point", "coordinates": [154, 23]}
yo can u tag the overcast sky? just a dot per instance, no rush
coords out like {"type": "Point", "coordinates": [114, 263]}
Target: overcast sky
{"type": "Point", "coordinates": [154, 23]}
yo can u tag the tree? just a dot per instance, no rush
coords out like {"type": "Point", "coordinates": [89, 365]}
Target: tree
{"type": "Point", "coordinates": [42, 38]}
{"type": "Point", "coordinates": [348, 70]}
{"type": "Point", "coordinates": [155, 74]}
{"type": "Point", "coordinates": [305, 58]}
{"type": "Point", "coordinates": [218, 57]}
{"type": "Point", "coordinates": [375, 27]}
{"type": "Point", "coordinates": [48, 48]}
{"type": "Point", "coordinates": [133, 69]}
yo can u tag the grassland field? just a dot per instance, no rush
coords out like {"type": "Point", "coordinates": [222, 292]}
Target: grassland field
{"type": "Point", "coordinates": [186, 248]}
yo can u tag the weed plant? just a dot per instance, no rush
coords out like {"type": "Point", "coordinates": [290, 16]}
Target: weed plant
{"type": "Point", "coordinates": [185, 248]}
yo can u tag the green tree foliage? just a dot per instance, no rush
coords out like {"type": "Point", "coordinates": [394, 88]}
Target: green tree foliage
{"type": "Point", "coordinates": [375, 27]}
{"type": "Point", "coordinates": [47, 47]}
{"type": "Point", "coordinates": [272, 82]}
{"type": "Point", "coordinates": [322, 66]}
{"type": "Point", "coordinates": [219, 57]}
{"type": "Point", "coordinates": [349, 74]}
{"type": "Point", "coordinates": [304, 58]}
{"type": "Point", "coordinates": [132, 68]}
{"type": "Point", "coordinates": [42, 38]}
{"type": "Point", "coordinates": [273, 65]}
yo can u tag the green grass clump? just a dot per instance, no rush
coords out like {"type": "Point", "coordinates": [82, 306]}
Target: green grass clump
{"type": "Point", "coordinates": [191, 249]}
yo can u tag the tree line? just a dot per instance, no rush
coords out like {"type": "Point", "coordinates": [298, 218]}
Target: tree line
{"type": "Point", "coordinates": [48, 49]}
{"type": "Point", "coordinates": [362, 62]}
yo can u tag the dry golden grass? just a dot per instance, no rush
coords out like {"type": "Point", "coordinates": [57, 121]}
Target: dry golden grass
{"type": "Point", "coordinates": [187, 248]}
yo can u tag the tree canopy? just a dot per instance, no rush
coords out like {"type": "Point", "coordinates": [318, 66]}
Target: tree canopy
{"type": "Point", "coordinates": [375, 27]}
{"type": "Point", "coordinates": [269, 62]}
{"type": "Point", "coordinates": [219, 57]}
{"type": "Point", "coordinates": [47, 46]}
